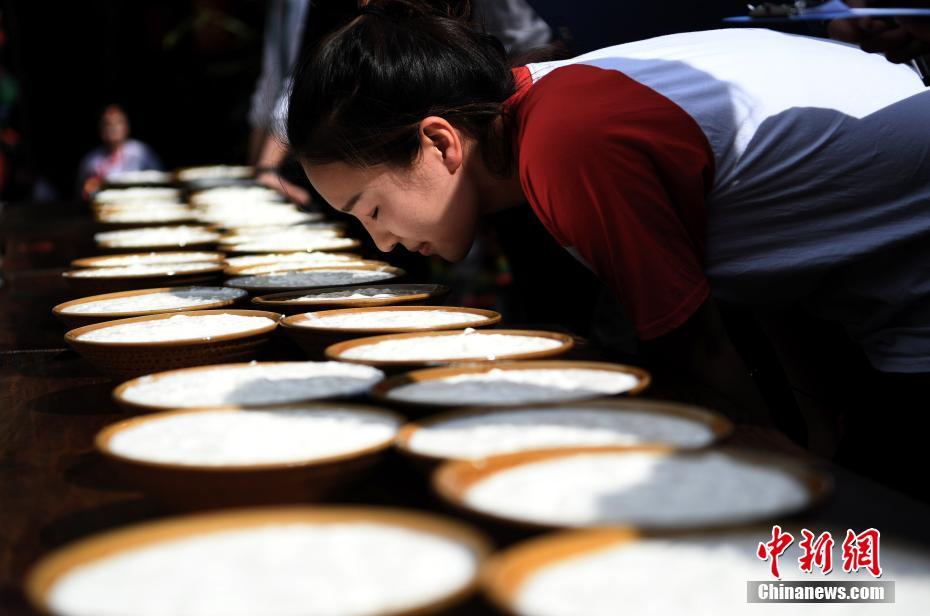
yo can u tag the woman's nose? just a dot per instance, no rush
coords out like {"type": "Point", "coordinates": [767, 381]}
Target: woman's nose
{"type": "Point", "coordinates": [382, 239]}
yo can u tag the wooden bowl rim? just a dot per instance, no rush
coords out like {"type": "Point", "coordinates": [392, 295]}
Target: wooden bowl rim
{"type": "Point", "coordinates": [272, 256]}
{"type": "Point", "coordinates": [49, 569]}
{"type": "Point", "coordinates": [106, 434]}
{"type": "Point", "coordinates": [234, 249]}
{"type": "Point", "coordinates": [487, 318]}
{"type": "Point", "coordinates": [148, 408]}
{"type": "Point", "coordinates": [190, 167]}
{"type": "Point", "coordinates": [279, 299]}
{"type": "Point", "coordinates": [208, 268]}
{"type": "Point", "coordinates": [91, 262]}
{"type": "Point", "coordinates": [395, 272]}
{"type": "Point", "coordinates": [206, 228]}
{"type": "Point", "coordinates": [239, 233]}
{"type": "Point", "coordinates": [241, 270]}
{"type": "Point", "coordinates": [72, 336]}
{"type": "Point", "coordinates": [359, 264]}
{"type": "Point", "coordinates": [451, 480]}
{"type": "Point", "coordinates": [721, 427]}
{"type": "Point", "coordinates": [380, 392]}
{"type": "Point", "coordinates": [58, 309]}
{"type": "Point", "coordinates": [334, 351]}
{"type": "Point", "coordinates": [505, 572]}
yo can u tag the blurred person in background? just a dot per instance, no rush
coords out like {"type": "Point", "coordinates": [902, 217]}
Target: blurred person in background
{"type": "Point", "coordinates": [284, 26]}
{"type": "Point", "coordinates": [116, 154]}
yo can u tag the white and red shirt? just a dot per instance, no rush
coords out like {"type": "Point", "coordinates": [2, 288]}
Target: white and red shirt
{"type": "Point", "coordinates": [756, 167]}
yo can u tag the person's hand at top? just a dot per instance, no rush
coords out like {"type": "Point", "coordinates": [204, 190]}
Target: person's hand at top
{"type": "Point", "coordinates": [901, 40]}
{"type": "Point", "coordinates": [293, 192]}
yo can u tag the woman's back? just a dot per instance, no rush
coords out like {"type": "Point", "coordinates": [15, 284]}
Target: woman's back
{"type": "Point", "coordinates": [818, 156]}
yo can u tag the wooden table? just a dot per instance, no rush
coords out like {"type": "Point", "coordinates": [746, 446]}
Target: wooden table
{"type": "Point", "coordinates": [55, 489]}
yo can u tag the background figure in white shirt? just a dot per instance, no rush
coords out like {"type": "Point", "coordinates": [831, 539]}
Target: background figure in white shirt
{"type": "Point", "coordinates": [117, 153]}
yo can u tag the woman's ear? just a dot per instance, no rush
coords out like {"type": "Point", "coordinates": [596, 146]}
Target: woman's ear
{"type": "Point", "coordinates": [439, 138]}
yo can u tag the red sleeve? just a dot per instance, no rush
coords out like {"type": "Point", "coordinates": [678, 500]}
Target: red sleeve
{"type": "Point", "coordinates": [618, 174]}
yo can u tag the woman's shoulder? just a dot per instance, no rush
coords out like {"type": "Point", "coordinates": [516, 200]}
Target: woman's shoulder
{"type": "Point", "coordinates": [578, 111]}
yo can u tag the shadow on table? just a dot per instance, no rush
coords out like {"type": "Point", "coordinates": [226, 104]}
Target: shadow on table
{"type": "Point", "coordinates": [59, 362]}
{"type": "Point", "coordinates": [89, 469]}
{"type": "Point", "coordinates": [88, 399]}
{"type": "Point", "coordinates": [108, 516]}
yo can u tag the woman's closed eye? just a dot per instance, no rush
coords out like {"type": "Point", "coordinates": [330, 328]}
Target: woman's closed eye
{"type": "Point", "coordinates": [374, 214]}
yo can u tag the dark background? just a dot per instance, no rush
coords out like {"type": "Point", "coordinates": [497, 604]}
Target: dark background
{"type": "Point", "coordinates": [185, 70]}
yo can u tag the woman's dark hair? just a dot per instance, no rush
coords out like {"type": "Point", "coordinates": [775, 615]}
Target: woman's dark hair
{"type": "Point", "coordinates": [359, 96]}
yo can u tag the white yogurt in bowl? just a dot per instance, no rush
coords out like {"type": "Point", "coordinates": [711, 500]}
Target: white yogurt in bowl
{"type": "Point", "coordinates": [153, 215]}
{"type": "Point", "coordinates": [275, 564]}
{"type": "Point", "coordinates": [310, 258]}
{"type": "Point", "coordinates": [150, 258]}
{"type": "Point", "coordinates": [123, 271]}
{"type": "Point", "coordinates": [178, 299]}
{"type": "Point", "coordinates": [235, 196]}
{"type": "Point", "coordinates": [310, 278]}
{"type": "Point", "coordinates": [259, 217]}
{"type": "Point", "coordinates": [289, 266]}
{"type": "Point", "coordinates": [301, 244]}
{"type": "Point", "coordinates": [255, 436]}
{"type": "Point", "coordinates": [388, 318]}
{"type": "Point", "coordinates": [645, 489]}
{"type": "Point", "coordinates": [148, 176]}
{"type": "Point", "coordinates": [180, 235]}
{"type": "Point", "coordinates": [249, 384]}
{"type": "Point", "coordinates": [350, 294]}
{"type": "Point", "coordinates": [469, 344]}
{"type": "Point", "coordinates": [476, 434]}
{"type": "Point", "coordinates": [178, 327]}
{"type": "Point", "coordinates": [121, 195]}
{"type": "Point", "coordinates": [692, 574]}
{"type": "Point", "coordinates": [515, 386]}
{"type": "Point", "coordinates": [213, 172]}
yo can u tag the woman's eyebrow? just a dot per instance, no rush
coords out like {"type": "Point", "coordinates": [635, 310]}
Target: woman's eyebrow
{"type": "Point", "coordinates": [350, 203]}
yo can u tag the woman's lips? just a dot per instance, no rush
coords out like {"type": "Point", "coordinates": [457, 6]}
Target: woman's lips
{"type": "Point", "coordinates": [425, 249]}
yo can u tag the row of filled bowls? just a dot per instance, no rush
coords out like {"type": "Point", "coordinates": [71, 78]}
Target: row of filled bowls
{"type": "Point", "coordinates": [240, 219]}
{"type": "Point", "coordinates": [257, 273]}
{"type": "Point", "coordinates": [185, 176]}
{"type": "Point", "coordinates": [281, 237]}
{"type": "Point", "coordinates": [434, 336]}
{"type": "Point", "coordinates": [629, 463]}
{"type": "Point", "coordinates": [364, 561]}
{"type": "Point", "coordinates": [673, 510]}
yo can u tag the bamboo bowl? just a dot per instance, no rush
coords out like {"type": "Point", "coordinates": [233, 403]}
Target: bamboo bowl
{"type": "Point", "coordinates": [96, 285]}
{"type": "Point", "coordinates": [269, 283]}
{"type": "Point", "coordinates": [337, 351]}
{"type": "Point", "coordinates": [314, 340]}
{"type": "Point", "coordinates": [154, 258]}
{"type": "Point", "coordinates": [43, 578]}
{"type": "Point", "coordinates": [79, 319]}
{"type": "Point", "coordinates": [130, 359]}
{"type": "Point", "coordinates": [419, 294]}
{"type": "Point", "coordinates": [717, 426]}
{"type": "Point", "coordinates": [198, 485]}
{"type": "Point", "coordinates": [453, 480]}
{"type": "Point", "coordinates": [354, 383]}
{"type": "Point", "coordinates": [383, 391]}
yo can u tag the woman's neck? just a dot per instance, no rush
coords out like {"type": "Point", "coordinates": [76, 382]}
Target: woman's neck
{"type": "Point", "coordinates": [496, 192]}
